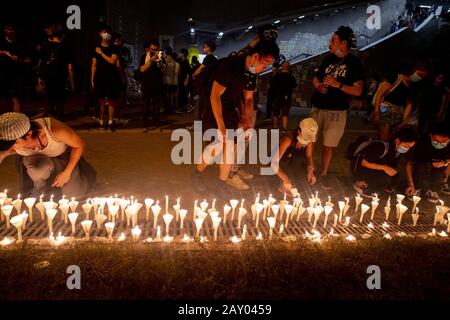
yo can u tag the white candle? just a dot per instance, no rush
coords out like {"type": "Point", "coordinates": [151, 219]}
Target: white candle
{"type": "Point", "coordinates": [401, 212]}
{"type": "Point", "coordinates": [281, 231]}
{"type": "Point", "coordinates": [167, 220]}
{"type": "Point", "coordinates": [275, 210]}
{"type": "Point", "coordinates": [204, 205]}
{"type": "Point", "coordinates": [29, 202]}
{"type": "Point", "coordinates": [310, 211]}
{"type": "Point", "coordinates": [358, 201]}
{"type": "Point", "coordinates": [183, 214]}
{"type": "Point", "coordinates": [51, 213]}
{"type": "Point", "coordinates": [64, 211]}
{"type": "Point", "coordinates": [99, 219]}
{"type": "Point", "coordinates": [17, 204]}
{"type": "Point", "coordinates": [300, 211]}
{"type": "Point", "coordinates": [341, 205]}
{"type": "Point", "coordinates": [226, 210]}
{"type": "Point", "coordinates": [17, 223]}
{"type": "Point", "coordinates": [86, 224]}
{"type": "Point", "coordinates": [167, 204]}
{"type": "Point", "coordinates": [328, 210]}
{"type": "Point", "coordinates": [73, 219]}
{"type": "Point", "coordinates": [288, 209]}
{"type": "Point", "coordinates": [113, 212]}
{"type": "Point", "coordinates": [364, 209]}
{"type": "Point", "coordinates": [244, 233]}
{"type": "Point", "coordinates": [448, 222]}
{"type": "Point", "coordinates": [317, 212]}
{"type": "Point", "coordinates": [242, 213]}
{"type": "Point", "coordinates": [109, 226]}
{"type": "Point", "coordinates": [259, 209]}
{"type": "Point", "coordinates": [335, 220]}
{"type": "Point", "coordinates": [234, 204]}
{"type": "Point", "coordinates": [156, 209]}
{"type": "Point", "coordinates": [198, 225]}
{"type": "Point", "coordinates": [7, 212]}
{"type": "Point", "coordinates": [158, 233]}
{"type": "Point", "coordinates": [136, 233]}
{"type": "Point", "coordinates": [374, 208]}
{"type": "Point", "coordinates": [216, 222]}
{"type": "Point", "coordinates": [416, 201]}
{"type": "Point", "coordinates": [73, 205]}
{"type": "Point", "coordinates": [271, 221]}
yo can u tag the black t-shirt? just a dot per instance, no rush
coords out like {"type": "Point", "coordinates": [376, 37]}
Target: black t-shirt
{"type": "Point", "coordinates": [185, 69]}
{"type": "Point", "coordinates": [152, 78]}
{"type": "Point", "coordinates": [54, 58]}
{"type": "Point", "coordinates": [373, 153]}
{"type": "Point", "coordinates": [232, 74]}
{"type": "Point", "coordinates": [105, 70]}
{"type": "Point", "coordinates": [209, 59]}
{"type": "Point", "coordinates": [424, 151]}
{"type": "Point", "coordinates": [283, 83]}
{"type": "Point", "coordinates": [399, 94]}
{"type": "Point", "coordinates": [7, 65]}
{"type": "Point", "coordinates": [347, 70]}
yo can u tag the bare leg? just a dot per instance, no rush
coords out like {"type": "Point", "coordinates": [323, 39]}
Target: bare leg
{"type": "Point", "coordinates": [327, 155]}
{"type": "Point", "coordinates": [284, 121]}
{"type": "Point", "coordinates": [111, 109]}
{"type": "Point", "coordinates": [101, 104]}
{"type": "Point", "coordinates": [275, 122]}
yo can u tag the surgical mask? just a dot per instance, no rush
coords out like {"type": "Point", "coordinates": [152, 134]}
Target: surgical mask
{"type": "Point", "coordinates": [339, 53]}
{"type": "Point", "coordinates": [252, 68]}
{"type": "Point", "coordinates": [415, 77]}
{"type": "Point", "coordinates": [438, 145]}
{"type": "Point", "coordinates": [105, 36]}
{"type": "Point", "coordinates": [402, 149]}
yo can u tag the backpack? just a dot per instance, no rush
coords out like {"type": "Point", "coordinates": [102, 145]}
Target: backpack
{"type": "Point", "coordinates": [354, 149]}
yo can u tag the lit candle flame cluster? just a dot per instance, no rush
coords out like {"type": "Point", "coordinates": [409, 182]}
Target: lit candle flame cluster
{"type": "Point", "coordinates": [265, 214]}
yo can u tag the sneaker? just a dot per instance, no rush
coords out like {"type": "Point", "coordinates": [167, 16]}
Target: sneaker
{"type": "Point", "coordinates": [237, 182]}
{"type": "Point", "coordinates": [198, 184]}
{"type": "Point", "coordinates": [432, 196]}
{"type": "Point", "coordinates": [324, 183]}
{"type": "Point", "coordinates": [244, 174]}
{"type": "Point", "coordinates": [190, 108]}
{"type": "Point", "coordinates": [179, 111]}
{"type": "Point", "coordinates": [444, 188]}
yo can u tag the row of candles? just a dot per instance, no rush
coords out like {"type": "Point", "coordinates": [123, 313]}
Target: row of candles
{"type": "Point", "coordinates": [265, 210]}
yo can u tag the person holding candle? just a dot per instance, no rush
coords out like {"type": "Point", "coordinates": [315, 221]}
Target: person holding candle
{"type": "Point", "coordinates": [374, 162]}
{"type": "Point", "coordinates": [427, 169]}
{"type": "Point", "coordinates": [295, 153]}
{"type": "Point", "coordinates": [50, 155]}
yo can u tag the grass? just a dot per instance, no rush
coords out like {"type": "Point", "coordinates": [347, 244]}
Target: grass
{"type": "Point", "coordinates": [410, 269]}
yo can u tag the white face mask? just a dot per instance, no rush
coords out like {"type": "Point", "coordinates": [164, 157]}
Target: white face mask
{"type": "Point", "coordinates": [339, 52]}
{"type": "Point", "coordinates": [105, 36]}
{"type": "Point", "coordinates": [415, 77]}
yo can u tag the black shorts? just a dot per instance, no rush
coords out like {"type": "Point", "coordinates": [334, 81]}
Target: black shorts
{"type": "Point", "coordinates": [106, 89]}
{"type": "Point", "coordinates": [281, 104]}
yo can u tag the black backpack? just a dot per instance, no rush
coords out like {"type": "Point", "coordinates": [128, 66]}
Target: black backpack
{"type": "Point", "coordinates": [355, 148]}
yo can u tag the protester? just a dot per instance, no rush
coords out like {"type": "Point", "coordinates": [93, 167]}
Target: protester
{"type": "Point", "coordinates": [284, 83]}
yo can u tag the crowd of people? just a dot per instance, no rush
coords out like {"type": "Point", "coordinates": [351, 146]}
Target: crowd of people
{"type": "Point", "coordinates": [410, 110]}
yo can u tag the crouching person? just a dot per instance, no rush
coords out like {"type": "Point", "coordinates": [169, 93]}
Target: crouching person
{"type": "Point", "coordinates": [50, 155]}
{"type": "Point", "coordinates": [428, 165]}
{"type": "Point", "coordinates": [296, 155]}
{"type": "Point", "coordinates": [374, 162]}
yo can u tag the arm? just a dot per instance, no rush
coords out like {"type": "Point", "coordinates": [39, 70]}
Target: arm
{"type": "Point", "coordinates": [199, 69]}
{"type": "Point", "coordinates": [379, 95]}
{"type": "Point", "coordinates": [409, 171]}
{"type": "Point", "coordinates": [310, 164]}
{"type": "Point", "coordinates": [6, 153]}
{"type": "Point", "coordinates": [354, 90]}
{"type": "Point", "coordinates": [93, 69]}
{"type": "Point", "coordinates": [247, 112]}
{"type": "Point", "coordinates": [375, 166]}
{"type": "Point", "coordinates": [319, 86]}
{"type": "Point", "coordinates": [285, 142]}
{"type": "Point", "coordinates": [407, 112]}
{"type": "Point", "coordinates": [110, 60]}
{"type": "Point", "coordinates": [68, 136]}
{"type": "Point", "coordinates": [216, 104]}
{"type": "Point", "coordinates": [70, 76]}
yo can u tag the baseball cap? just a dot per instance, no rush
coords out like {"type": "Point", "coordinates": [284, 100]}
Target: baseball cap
{"type": "Point", "coordinates": [308, 132]}
{"type": "Point", "coordinates": [13, 125]}
{"type": "Point", "coordinates": [346, 33]}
